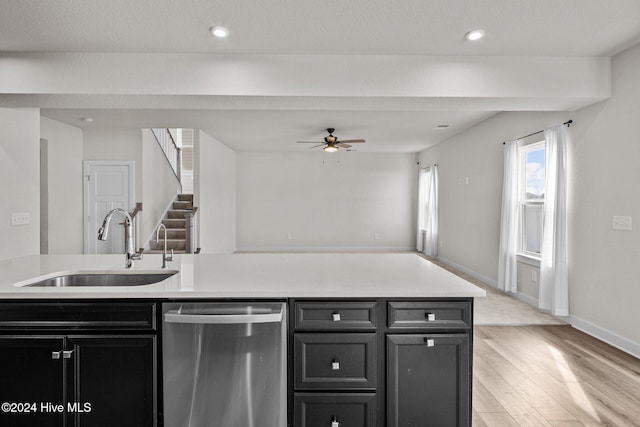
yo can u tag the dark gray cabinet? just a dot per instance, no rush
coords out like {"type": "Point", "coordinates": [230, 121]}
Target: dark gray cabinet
{"type": "Point", "coordinates": [384, 362]}
{"type": "Point", "coordinates": [29, 376]}
{"type": "Point", "coordinates": [428, 380]}
{"type": "Point", "coordinates": [87, 368]}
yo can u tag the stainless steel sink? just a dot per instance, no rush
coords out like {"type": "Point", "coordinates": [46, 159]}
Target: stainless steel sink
{"type": "Point", "coordinates": [132, 278]}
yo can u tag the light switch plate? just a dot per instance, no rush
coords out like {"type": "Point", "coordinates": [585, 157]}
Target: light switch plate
{"type": "Point", "coordinates": [622, 223]}
{"type": "Point", "coordinates": [20, 218]}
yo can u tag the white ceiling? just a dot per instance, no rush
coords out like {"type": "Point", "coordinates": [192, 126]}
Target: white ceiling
{"type": "Point", "coordinates": [535, 28]}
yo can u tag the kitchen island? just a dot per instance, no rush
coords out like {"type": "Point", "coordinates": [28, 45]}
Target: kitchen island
{"type": "Point", "coordinates": [395, 329]}
{"type": "Point", "coordinates": [309, 275]}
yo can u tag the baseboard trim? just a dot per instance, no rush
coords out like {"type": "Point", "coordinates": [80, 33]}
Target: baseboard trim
{"type": "Point", "coordinates": [525, 298]}
{"type": "Point", "coordinates": [323, 249]}
{"type": "Point", "coordinates": [605, 335]}
{"type": "Point", "coordinates": [485, 279]}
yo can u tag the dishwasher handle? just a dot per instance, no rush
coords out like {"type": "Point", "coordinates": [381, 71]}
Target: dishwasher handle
{"type": "Point", "coordinates": [174, 316]}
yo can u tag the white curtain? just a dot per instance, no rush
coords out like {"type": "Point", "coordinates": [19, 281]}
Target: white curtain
{"type": "Point", "coordinates": [554, 283]}
{"type": "Point", "coordinates": [427, 237]}
{"type": "Point", "coordinates": [422, 202]}
{"type": "Point", "coordinates": [507, 267]}
{"type": "Point", "coordinates": [431, 244]}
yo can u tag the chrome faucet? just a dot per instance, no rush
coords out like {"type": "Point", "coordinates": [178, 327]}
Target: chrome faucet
{"type": "Point", "coordinates": [165, 258]}
{"type": "Point", "coordinates": [128, 235]}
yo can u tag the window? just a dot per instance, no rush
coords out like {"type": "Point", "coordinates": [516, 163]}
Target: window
{"type": "Point", "coordinates": [531, 198]}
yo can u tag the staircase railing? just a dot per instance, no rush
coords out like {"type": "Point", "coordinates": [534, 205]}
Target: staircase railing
{"type": "Point", "coordinates": [171, 151]}
{"type": "Point", "coordinates": [190, 226]}
{"type": "Point", "coordinates": [134, 217]}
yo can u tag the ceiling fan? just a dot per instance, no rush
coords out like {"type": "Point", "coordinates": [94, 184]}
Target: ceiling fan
{"type": "Point", "coordinates": [331, 143]}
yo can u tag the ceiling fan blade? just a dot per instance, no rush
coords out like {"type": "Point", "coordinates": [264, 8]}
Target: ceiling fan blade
{"type": "Point", "coordinates": [308, 142]}
{"type": "Point", "coordinates": [316, 146]}
{"type": "Point", "coordinates": [352, 141]}
{"type": "Point", "coordinates": [343, 145]}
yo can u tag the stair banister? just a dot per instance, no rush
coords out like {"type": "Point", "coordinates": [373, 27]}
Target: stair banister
{"type": "Point", "coordinates": [171, 151]}
{"type": "Point", "coordinates": [191, 231]}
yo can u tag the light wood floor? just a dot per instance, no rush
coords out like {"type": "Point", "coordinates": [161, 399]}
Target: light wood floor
{"type": "Point", "coordinates": [551, 376]}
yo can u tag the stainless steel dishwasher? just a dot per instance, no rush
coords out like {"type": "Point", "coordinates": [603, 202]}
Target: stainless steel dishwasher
{"type": "Point", "coordinates": [224, 364]}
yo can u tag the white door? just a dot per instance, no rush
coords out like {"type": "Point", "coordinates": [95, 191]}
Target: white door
{"type": "Point", "coordinates": [107, 185]}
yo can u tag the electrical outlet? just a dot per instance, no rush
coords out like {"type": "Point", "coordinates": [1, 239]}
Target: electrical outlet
{"type": "Point", "coordinates": [622, 223]}
{"type": "Point", "coordinates": [534, 276]}
{"type": "Point", "coordinates": [289, 236]}
{"type": "Point", "coordinates": [20, 218]}
{"type": "Point", "coordinates": [376, 236]}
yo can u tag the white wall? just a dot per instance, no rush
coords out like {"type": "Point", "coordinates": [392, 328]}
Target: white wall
{"type": "Point", "coordinates": [20, 175]}
{"type": "Point", "coordinates": [64, 187]}
{"type": "Point", "coordinates": [326, 205]}
{"type": "Point", "coordinates": [159, 186]}
{"type": "Point", "coordinates": [116, 144]}
{"type": "Point", "coordinates": [603, 177]}
{"type": "Point", "coordinates": [215, 194]}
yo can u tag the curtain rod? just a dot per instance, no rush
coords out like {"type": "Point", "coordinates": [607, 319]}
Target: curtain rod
{"type": "Point", "coordinates": [568, 123]}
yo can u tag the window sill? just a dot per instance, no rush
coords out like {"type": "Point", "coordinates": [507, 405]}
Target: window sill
{"type": "Point", "coordinates": [528, 259]}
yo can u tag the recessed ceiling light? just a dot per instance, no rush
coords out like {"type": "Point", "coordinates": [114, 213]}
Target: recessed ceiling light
{"type": "Point", "coordinates": [441, 127]}
{"type": "Point", "coordinates": [474, 35]}
{"type": "Point", "coordinates": [220, 32]}
{"type": "Point", "coordinates": [87, 119]}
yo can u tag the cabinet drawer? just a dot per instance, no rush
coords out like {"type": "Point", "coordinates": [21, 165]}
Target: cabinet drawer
{"type": "Point", "coordinates": [321, 410]}
{"type": "Point", "coordinates": [426, 315]}
{"type": "Point", "coordinates": [335, 315]}
{"type": "Point", "coordinates": [72, 316]}
{"type": "Point", "coordinates": [335, 361]}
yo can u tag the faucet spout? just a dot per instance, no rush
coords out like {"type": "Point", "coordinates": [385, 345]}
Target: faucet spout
{"type": "Point", "coordinates": [129, 250]}
{"type": "Point", "coordinates": [165, 258]}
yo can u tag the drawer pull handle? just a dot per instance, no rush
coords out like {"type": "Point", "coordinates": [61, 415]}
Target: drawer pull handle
{"type": "Point", "coordinates": [335, 365]}
{"type": "Point", "coordinates": [334, 422]}
{"type": "Point", "coordinates": [55, 355]}
{"type": "Point", "coordinates": [336, 317]}
{"type": "Point", "coordinates": [431, 317]}
{"type": "Point", "coordinates": [429, 342]}
{"type": "Point", "coordinates": [67, 354]}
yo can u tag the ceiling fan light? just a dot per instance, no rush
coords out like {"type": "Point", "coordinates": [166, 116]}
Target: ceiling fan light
{"type": "Point", "coordinates": [220, 32]}
{"type": "Point", "coordinates": [474, 35]}
{"type": "Point", "coordinates": [330, 149]}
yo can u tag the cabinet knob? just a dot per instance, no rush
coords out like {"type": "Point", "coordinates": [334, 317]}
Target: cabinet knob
{"type": "Point", "coordinates": [430, 342]}
{"type": "Point", "coordinates": [55, 355]}
{"type": "Point", "coordinates": [335, 317]}
{"type": "Point", "coordinates": [334, 422]}
{"type": "Point", "coordinates": [335, 365]}
{"type": "Point", "coordinates": [431, 317]}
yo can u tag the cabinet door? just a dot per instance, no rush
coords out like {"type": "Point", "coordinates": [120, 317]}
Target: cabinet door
{"type": "Point", "coordinates": [335, 409]}
{"type": "Point", "coordinates": [116, 377]}
{"type": "Point", "coordinates": [335, 361]}
{"type": "Point", "coordinates": [31, 372]}
{"type": "Point", "coordinates": [428, 380]}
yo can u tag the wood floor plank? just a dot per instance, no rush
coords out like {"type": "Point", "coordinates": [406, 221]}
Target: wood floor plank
{"type": "Point", "coordinates": [483, 400]}
{"type": "Point", "coordinates": [502, 419]}
{"type": "Point", "coordinates": [517, 377]}
{"type": "Point", "coordinates": [566, 424]}
{"type": "Point", "coordinates": [477, 421]}
{"type": "Point", "coordinates": [515, 404]}
{"type": "Point", "coordinates": [569, 392]}
{"type": "Point", "coordinates": [569, 374]}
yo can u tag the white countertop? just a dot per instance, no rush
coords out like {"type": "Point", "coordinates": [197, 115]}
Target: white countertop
{"type": "Point", "coordinates": [310, 275]}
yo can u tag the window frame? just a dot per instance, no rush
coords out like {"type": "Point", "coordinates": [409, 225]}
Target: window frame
{"type": "Point", "coordinates": [523, 201]}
